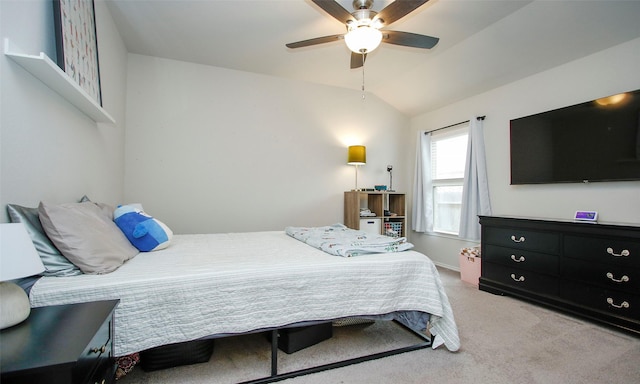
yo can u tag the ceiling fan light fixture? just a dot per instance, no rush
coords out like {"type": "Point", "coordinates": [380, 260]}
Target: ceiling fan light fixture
{"type": "Point", "coordinates": [363, 39]}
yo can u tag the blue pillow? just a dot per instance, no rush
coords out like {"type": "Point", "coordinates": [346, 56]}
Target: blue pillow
{"type": "Point", "coordinates": [143, 231]}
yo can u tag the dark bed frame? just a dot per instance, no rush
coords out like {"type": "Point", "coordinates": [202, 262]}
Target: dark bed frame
{"type": "Point", "coordinates": [426, 341]}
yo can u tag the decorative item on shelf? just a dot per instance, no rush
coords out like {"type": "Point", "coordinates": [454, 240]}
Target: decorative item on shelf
{"type": "Point", "coordinates": [390, 169]}
{"type": "Point", "coordinates": [380, 187]}
{"type": "Point", "coordinates": [18, 258]}
{"type": "Point", "coordinates": [77, 44]}
{"type": "Point", "coordinates": [357, 156]}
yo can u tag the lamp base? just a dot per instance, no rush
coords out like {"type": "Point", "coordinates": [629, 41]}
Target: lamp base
{"type": "Point", "coordinates": [14, 305]}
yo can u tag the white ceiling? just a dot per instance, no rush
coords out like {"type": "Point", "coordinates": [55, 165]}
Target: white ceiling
{"type": "Point", "coordinates": [483, 43]}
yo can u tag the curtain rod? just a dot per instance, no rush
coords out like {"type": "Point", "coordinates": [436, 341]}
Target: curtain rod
{"type": "Point", "coordinates": [453, 125]}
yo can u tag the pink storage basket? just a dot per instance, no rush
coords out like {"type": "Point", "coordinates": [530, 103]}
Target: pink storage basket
{"type": "Point", "coordinates": [470, 269]}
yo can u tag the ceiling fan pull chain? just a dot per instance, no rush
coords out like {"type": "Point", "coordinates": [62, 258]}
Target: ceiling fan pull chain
{"type": "Point", "coordinates": [363, 96]}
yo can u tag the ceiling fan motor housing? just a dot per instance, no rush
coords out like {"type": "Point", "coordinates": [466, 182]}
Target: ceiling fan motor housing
{"type": "Point", "coordinates": [364, 16]}
{"type": "Point", "coordinates": [362, 4]}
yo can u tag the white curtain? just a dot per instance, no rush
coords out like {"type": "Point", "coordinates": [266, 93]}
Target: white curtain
{"type": "Point", "coordinates": [422, 184]}
{"type": "Point", "coordinates": [475, 190]}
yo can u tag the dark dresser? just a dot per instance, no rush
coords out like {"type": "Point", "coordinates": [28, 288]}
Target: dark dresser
{"type": "Point", "coordinates": [69, 344]}
{"type": "Point", "coordinates": [589, 270]}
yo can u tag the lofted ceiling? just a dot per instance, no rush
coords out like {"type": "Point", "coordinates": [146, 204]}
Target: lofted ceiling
{"type": "Point", "coordinates": [483, 43]}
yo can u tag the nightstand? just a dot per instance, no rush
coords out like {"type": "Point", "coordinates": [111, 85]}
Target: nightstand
{"type": "Point", "coordinates": [70, 343]}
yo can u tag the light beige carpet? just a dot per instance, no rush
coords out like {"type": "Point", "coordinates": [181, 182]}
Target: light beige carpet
{"type": "Point", "coordinates": [504, 340]}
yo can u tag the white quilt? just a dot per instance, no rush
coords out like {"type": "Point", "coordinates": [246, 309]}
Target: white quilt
{"type": "Point", "coordinates": [214, 284]}
{"type": "Point", "coordinates": [339, 240]}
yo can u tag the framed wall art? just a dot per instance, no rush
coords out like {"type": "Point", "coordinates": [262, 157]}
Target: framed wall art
{"type": "Point", "coordinates": [77, 44]}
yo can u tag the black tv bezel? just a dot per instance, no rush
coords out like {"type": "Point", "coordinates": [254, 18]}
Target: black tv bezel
{"type": "Point", "coordinates": [635, 93]}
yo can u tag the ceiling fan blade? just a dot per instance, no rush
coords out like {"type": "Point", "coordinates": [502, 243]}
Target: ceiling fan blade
{"type": "Point", "coordinates": [409, 39]}
{"type": "Point", "coordinates": [397, 10]}
{"type": "Point", "coordinates": [317, 40]}
{"type": "Point", "coordinates": [357, 60]}
{"type": "Point", "coordinates": [335, 10]}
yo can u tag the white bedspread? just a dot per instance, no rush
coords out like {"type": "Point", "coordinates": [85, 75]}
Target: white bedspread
{"type": "Point", "coordinates": [213, 284]}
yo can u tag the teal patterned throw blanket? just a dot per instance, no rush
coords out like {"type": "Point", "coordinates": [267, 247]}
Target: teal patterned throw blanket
{"type": "Point", "coordinates": [339, 240]}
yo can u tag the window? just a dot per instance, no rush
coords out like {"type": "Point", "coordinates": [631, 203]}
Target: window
{"type": "Point", "coordinates": [448, 156]}
{"type": "Point", "coordinates": [444, 174]}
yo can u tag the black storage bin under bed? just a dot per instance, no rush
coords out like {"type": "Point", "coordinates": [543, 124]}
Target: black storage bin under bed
{"type": "Point", "coordinates": [174, 355]}
{"type": "Point", "coordinates": [293, 339]}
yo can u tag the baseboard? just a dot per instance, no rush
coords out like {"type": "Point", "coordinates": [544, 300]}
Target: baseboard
{"type": "Point", "coordinates": [447, 266]}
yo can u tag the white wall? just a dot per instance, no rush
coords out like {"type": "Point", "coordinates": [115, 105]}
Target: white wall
{"type": "Point", "coordinates": [49, 150]}
{"type": "Point", "coordinates": [215, 150]}
{"type": "Point", "coordinates": [605, 73]}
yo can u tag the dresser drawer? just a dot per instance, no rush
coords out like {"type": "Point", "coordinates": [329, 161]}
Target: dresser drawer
{"type": "Point", "coordinates": [96, 355]}
{"type": "Point", "coordinates": [609, 276]}
{"type": "Point", "coordinates": [531, 261]}
{"type": "Point", "coordinates": [522, 239]}
{"type": "Point", "coordinates": [105, 371]}
{"type": "Point", "coordinates": [520, 278]}
{"type": "Point", "coordinates": [612, 302]}
{"type": "Point", "coordinates": [611, 251]}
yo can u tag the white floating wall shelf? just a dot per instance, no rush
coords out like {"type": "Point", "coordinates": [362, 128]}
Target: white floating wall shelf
{"type": "Point", "coordinates": [47, 71]}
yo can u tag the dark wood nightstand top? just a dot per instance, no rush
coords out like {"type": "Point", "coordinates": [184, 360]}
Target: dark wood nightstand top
{"type": "Point", "coordinates": [52, 336]}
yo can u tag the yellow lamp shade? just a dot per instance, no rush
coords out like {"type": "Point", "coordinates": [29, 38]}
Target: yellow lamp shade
{"type": "Point", "coordinates": [357, 155]}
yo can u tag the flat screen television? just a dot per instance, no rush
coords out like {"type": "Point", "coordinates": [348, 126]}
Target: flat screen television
{"type": "Point", "coordinates": [594, 141]}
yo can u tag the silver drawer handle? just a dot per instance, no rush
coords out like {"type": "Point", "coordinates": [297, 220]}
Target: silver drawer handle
{"type": "Point", "coordinates": [520, 240]}
{"type": "Point", "coordinates": [623, 279]}
{"type": "Point", "coordinates": [624, 253]}
{"type": "Point", "coordinates": [624, 304]}
{"type": "Point", "coordinates": [518, 260]}
{"type": "Point", "coordinates": [513, 276]}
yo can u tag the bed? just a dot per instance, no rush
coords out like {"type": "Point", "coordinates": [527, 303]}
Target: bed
{"type": "Point", "coordinates": [214, 285]}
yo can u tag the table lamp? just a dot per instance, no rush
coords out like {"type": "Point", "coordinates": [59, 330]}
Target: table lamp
{"type": "Point", "coordinates": [357, 156]}
{"type": "Point", "coordinates": [18, 258]}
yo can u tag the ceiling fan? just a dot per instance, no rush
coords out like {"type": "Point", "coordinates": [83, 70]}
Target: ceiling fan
{"type": "Point", "coordinates": [364, 28]}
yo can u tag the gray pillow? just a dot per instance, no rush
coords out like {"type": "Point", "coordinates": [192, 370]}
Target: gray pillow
{"type": "Point", "coordinates": [106, 208]}
{"type": "Point", "coordinates": [86, 235]}
{"type": "Point", "coordinates": [55, 263]}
